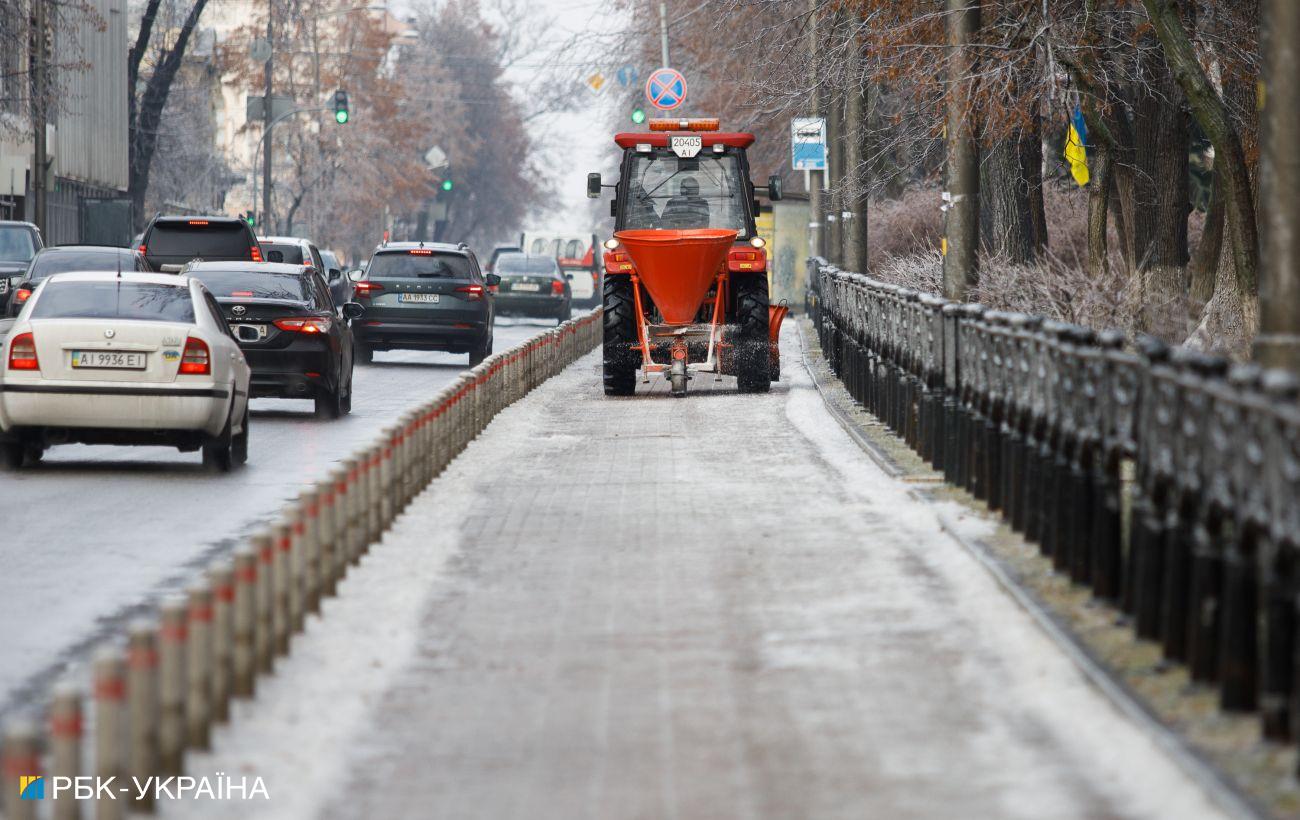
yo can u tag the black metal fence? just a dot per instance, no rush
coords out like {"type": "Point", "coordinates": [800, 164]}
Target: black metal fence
{"type": "Point", "coordinates": [1166, 480]}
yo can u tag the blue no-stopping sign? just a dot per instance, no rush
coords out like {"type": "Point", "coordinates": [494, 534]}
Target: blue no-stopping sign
{"type": "Point", "coordinates": [666, 88]}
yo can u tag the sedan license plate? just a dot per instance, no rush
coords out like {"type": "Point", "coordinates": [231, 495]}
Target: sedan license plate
{"type": "Point", "coordinates": [249, 333]}
{"type": "Point", "coordinates": [107, 360]}
{"type": "Point", "coordinates": [426, 298]}
{"type": "Point", "coordinates": [530, 287]}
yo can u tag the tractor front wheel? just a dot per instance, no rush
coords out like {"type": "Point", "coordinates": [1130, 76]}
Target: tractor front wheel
{"type": "Point", "coordinates": [753, 352]}
{"type": "Point", "coordinates": [620, 336]}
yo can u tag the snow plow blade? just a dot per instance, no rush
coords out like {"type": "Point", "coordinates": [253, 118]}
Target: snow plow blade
{"type": "Point", "coordinates": [677, 266]}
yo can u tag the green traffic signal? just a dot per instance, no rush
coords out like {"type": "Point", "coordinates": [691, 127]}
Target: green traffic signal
{"type": "Point", "coordinates": [341, 117]}
{"type": "Point", "coordinates": [638, 116]}
{"type": "Point", "coordinates": [341, 108]}
{"type": "Point", "coordinates": [447, 185]}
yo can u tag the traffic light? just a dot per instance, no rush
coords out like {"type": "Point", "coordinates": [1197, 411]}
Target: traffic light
{"type": "Point", "coordinates": [341, 114]}
{"type": "Point", "coordinates": [251, 219]}
{"type": "Point", "coordinates": [447, 185]}
{"type": "Point", "coordinates": [638, 115]}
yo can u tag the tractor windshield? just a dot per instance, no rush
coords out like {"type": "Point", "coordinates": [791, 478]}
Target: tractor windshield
{"type": "Point", "coordinates": [665, 191]}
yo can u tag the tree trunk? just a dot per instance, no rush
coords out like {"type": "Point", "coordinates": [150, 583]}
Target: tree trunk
{"type": "Point", "coordinates": [149, 116]}
{"type": "Point", "coordinates": [1215, 121]}
{"type": "Point", "coordinates": [1202, 268]}
{"type": "Point", "coordinates": [1100, 182]}
{"type": "Point", "coordinates": [1006, 225]}
{"type": "Point", "coordinates": [961, 262]}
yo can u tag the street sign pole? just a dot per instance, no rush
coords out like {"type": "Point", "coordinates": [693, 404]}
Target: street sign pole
{"type": "Point", "coordinates": [663, 34]}
{"type": "Point", "coordinates": [264, 219]}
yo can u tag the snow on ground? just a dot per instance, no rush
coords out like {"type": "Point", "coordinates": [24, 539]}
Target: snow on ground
{"type": "Point", "coordinates": [707, 607]}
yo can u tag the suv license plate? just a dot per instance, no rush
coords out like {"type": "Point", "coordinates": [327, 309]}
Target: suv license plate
{"type": "Point", "coordinates": [107, 360]}
{"type": "Point", "coordinates": [426, 298]}
{"type": "Point", "coordinates": [531, 287]}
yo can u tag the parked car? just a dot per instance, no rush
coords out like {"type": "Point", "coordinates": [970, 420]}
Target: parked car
{"type": "Point", "coordinates": [424, 296]}
{"type": "Point", "coordinates": [65, 258]}
{"type": "Point", "coordinates": [297, 341]}
{"type": "Point", "coordinates": [131, 358]}
{"type": "Point", "coordinates": [19, 242]}
{"type": "Point", "coordinates": [340, 285]}
{"type": "Point", "coordinates": [171, 242]}
{"type": "Point", "coordinates": [533, 286]}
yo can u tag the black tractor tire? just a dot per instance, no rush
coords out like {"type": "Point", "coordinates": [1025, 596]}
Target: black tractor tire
{"type": "Point", "coordinates": [620, 359]}
{"type": "Point", "coordinates": [753, 351]}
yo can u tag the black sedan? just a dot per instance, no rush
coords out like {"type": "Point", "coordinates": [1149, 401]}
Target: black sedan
{"type": "Point", "coordinates": [533, 286]}
{"type": "Point", "coordinates": [298, 343]}
{"type": "Point", "coordinates": [70, 258]}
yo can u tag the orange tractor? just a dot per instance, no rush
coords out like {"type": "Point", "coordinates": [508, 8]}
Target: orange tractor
{"type": "Point", "coordinates": [685, 288]}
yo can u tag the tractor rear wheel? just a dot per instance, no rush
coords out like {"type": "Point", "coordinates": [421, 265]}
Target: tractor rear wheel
{"type": "Point", "coordinates": [753, 356]}
{"type": "Point", "coordinates": [620, 336]}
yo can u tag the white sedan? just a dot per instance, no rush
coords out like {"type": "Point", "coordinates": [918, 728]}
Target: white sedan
{"type": "Point", "coordinates": [130, 358]}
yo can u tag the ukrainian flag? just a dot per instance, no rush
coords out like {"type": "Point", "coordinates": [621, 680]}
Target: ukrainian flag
{"type": "Point", "coordinates": [1075, 151]}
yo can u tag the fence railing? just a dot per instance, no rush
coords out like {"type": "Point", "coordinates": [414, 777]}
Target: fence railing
{"type": "Point", "coordinates": [157, 690]}
{"type": "Point", "coordinates": [1166, 480]}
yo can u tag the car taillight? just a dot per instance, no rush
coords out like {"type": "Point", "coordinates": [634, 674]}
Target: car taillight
{"type": "Point", "coordinates": [557, 287]}
{"type": "Point", "coordinates": [144, 249]}
{"type": "Point", "coordinates": [257, 253]}
{"type": "Point", "coordinates": [22, 295]}
{"type": "Point", "coordinates": [472, 292]}
{"type": "Point", "coordinates": [195, 360]}
{"type": "Point", "coordinates": [311, 324]}
{"type": "Point", "coordinates": [22, 353]}
{"type": "Point", "coordinates": [366, 288]}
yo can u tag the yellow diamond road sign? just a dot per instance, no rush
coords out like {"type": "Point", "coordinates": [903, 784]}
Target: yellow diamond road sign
{"type": "Point", "coordinates": [596, 81]}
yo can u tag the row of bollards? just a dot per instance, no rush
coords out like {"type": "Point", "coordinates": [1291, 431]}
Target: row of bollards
{"type": "Point", "coordinates": [159, 693]}
{"type": "Point", "coordinates": [1165, 480]}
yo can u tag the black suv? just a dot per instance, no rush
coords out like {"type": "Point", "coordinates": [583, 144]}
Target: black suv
{"type": "Point", "coordinates": [172, 241]}
{"type": "Point", "coordinates": [425, 296]}
{"type": "Point", "coordinates": [296, 340]}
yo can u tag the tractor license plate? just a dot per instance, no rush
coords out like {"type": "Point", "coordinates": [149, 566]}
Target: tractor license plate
{"type": "Point", "coordinates": [686, 147]}
{"type": "Point", "coordinates": [425, 298]}
{"type": "Point", "coordinates": [107, 360]}
{"type": "Point", "coordinates": [531, 287]}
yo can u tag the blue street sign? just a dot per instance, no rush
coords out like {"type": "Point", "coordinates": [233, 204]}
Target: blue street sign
{"type": "Point", "coordinates": [626, 76]}
{"type": "Point", "coordinates": [808, 144]}
{"type": "Point", "coordinates": [666, 88]}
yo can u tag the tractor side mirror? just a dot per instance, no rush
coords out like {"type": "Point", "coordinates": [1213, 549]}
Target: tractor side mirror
{"type": "Point", "coordinates": [593, 186]}
{"type": "Point", "coordinates": [775, 188]}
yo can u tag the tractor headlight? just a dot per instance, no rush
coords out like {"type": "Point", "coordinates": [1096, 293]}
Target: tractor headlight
{"type": "Point", "coordinates": [611, 244]}
{"type": "Point", "coordinates": [758, 242]}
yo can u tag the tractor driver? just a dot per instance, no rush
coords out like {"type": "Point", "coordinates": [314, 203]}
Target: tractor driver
{"type": "Point", "coordinates": [688, 209]}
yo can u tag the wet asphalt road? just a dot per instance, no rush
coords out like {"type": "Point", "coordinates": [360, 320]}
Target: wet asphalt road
{"type": "Point", "coordinates": [94, 535]}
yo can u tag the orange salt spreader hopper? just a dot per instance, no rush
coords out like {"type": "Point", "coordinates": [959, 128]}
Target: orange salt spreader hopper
{"type": "Point", "coordinates": [678, 267]}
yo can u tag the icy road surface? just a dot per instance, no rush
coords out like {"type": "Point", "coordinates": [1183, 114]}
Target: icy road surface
{"type": "Point", "coordinates": [93, 532]}
{"type": "Point", "coordinates": [713, 607]}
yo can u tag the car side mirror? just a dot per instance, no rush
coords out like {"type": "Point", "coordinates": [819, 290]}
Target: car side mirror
{"type": "Point", "coordinates": [355, 275]}
{"type": "Point", "coordinates": [335, 274]}
{"type": "Point", "coordinates": [775, 188]}
{"type": "Point", "coordinates": [352, 310]}
{"type": "Point", "coordinates": [568, 276]}
{"type": "Point", "coordinates": [492, 279]}
{"type": "Point", "coordinates": [593, 186]}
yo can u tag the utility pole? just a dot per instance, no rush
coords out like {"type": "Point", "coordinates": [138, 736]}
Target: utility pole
{"type": "Point", "coordinates": [663, 34]}
{"type": "Point", "coordinates": [39, 67]}
{"type": "Point", "coordinates": [834, 177]}
{"type": "Point", "coordinates": [1278, 342]}
{"type": "Point", "coordinates": [854, 228]}
{"type": "Point", "coordinates": [816, 179]}
{"type": "Point", "coordinates": [961, 262]}
{"type": "Point", "coordinates": [264, 223]}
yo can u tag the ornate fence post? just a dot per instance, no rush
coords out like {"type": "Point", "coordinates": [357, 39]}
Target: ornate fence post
{"type": "Point", "coordinates": [1281, 711]}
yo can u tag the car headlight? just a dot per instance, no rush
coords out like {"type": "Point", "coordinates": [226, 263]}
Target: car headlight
{"type": "Point", "coordinates": [611, 244]}
{"type": "Point", "coordinates": [758, 242]}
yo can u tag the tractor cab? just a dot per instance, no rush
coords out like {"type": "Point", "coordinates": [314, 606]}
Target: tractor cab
{"type": "Point", "coordinates": [685, 287]}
